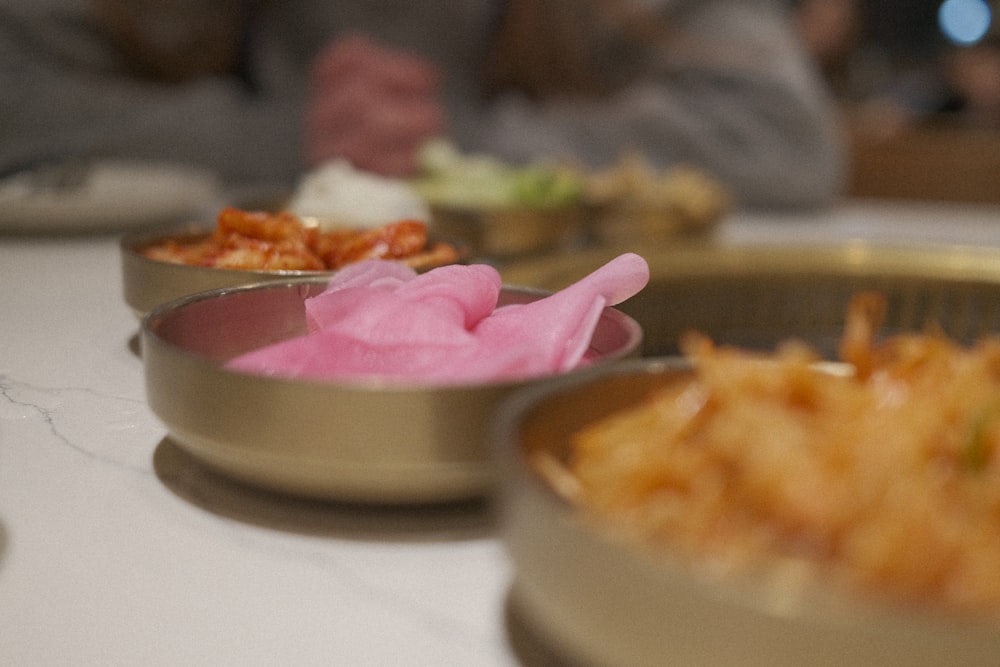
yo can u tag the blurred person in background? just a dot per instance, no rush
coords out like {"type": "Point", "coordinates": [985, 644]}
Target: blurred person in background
{"type": "Point", "coordinates": [831, 31]}
{"type": "Point", "coordinates": [895, 65]}
{"type": "Point", "coordinates": [972, 75]}
{"type": "Point", "coordinates": [261, 91]}
{"type": "Point", "coordinates": [879, 56]}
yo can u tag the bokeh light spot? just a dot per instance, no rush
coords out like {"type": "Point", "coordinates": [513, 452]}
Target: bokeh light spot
{"type": "Point", "coordinates": [964, 22]}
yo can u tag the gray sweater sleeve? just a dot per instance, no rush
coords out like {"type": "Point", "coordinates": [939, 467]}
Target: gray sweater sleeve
{"type": "Point", "coordinates": [66, 97]}
{"type": "Point", "coordinates": [736, 97]}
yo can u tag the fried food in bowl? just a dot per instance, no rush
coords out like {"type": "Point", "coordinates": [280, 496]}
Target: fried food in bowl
{"type": "Point", "coordinates": [737, 507]}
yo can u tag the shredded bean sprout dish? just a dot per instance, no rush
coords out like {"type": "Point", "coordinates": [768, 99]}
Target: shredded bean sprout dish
{"type": "Point", "coordinates": [885, 478]}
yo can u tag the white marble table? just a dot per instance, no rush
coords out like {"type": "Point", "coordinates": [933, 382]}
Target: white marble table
{"type": "Point", "coordinates": [116, 549]}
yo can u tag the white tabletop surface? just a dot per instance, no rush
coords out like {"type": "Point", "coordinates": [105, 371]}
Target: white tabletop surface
{"type": "Point", "coordinates": [116, 549]}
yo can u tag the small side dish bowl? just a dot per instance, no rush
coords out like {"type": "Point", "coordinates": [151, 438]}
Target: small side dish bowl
{"type": "Point", "coordinates": [147, 283]}
{"type": "Point", "coordinates": [508, 233]}
{"type": "Point", "coordinates": [372, 442]}
{"type": "Point", "coordinates": [645, 225]}
{"type": "Point", "coordinates": [593, 597]}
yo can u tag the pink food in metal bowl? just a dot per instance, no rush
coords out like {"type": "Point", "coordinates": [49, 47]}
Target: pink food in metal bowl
{"type": "Point", "coordinates": [380, 319]}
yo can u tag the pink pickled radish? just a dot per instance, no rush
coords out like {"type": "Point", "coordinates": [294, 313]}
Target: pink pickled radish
{"type": "Point", "coordinates": [437, 306]}
{"type": "Point", "coordinates": [379, 320]}
{"type": "Point", "coordinates": [568, 316]}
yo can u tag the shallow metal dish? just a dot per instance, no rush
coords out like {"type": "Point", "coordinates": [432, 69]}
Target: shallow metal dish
{"type": "Point", "coordinates": [645, 226]}
{"type": "Point", "coordinates": [591, 599]}
{"type": "Point", "coordinates": [758, 296]}
{"type": "Point", "coordinates": [147, 283]}
{"type": "Point", "coordinates": [367, 442]}
{"type": "Point", "coordinates": [508, 233]}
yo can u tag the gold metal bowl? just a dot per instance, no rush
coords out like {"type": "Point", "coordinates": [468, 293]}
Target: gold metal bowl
{"type": "Point", "coordinates": [590, 598]}
{"type": "Point", "coordinates": [508, 233]}
{"type": "Point", "coordinates": [365, 442]}
{"type": "Point", "coordinates": [757, 296]}
{"type": "Point", "coordinates": [645, 226]}
{"type": "Point", "coordinates": [147, 283]}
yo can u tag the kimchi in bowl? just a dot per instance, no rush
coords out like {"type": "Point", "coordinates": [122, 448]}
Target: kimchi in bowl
{"type": "Point", "coordinates": [247, 247]}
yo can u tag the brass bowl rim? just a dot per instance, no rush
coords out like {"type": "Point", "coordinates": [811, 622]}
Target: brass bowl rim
{"type": "Point", "coordinates": [148, 329]}
{"type": "Point", "coordinates": [930, 261]}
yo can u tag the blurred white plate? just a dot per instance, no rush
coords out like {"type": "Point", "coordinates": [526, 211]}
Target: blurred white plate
{"type": "Point", "coordinates": [104, 196]}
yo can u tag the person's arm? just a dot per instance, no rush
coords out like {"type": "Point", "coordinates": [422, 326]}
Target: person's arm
{"type": "Point", "coordinates": [67, 96]}
{"type": "Point", "coordinates": [373, 106]}
{"type": "Point", "coordinates": [732, 94]}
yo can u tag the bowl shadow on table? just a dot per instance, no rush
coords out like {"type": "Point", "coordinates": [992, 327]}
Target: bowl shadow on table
{"type": "Point", "coordinates": [530, 648]}
{"type": "Point", "coordinates": [3, 543]}
{"type": "Point", "coordinates": [134, 344]}
{"type": "Point", "coordinates": [209, 490]}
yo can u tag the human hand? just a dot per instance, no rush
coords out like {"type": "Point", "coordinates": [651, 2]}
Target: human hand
{"type": "Point", "coordinates": [372, 106]}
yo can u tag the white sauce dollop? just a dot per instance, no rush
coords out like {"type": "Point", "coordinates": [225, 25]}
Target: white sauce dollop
{"type": "Point", "coordinates": [337, 194]}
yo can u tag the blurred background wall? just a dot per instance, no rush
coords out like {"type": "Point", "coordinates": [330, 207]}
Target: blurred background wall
{"type": "Point", "coordinates": [918, 82]}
